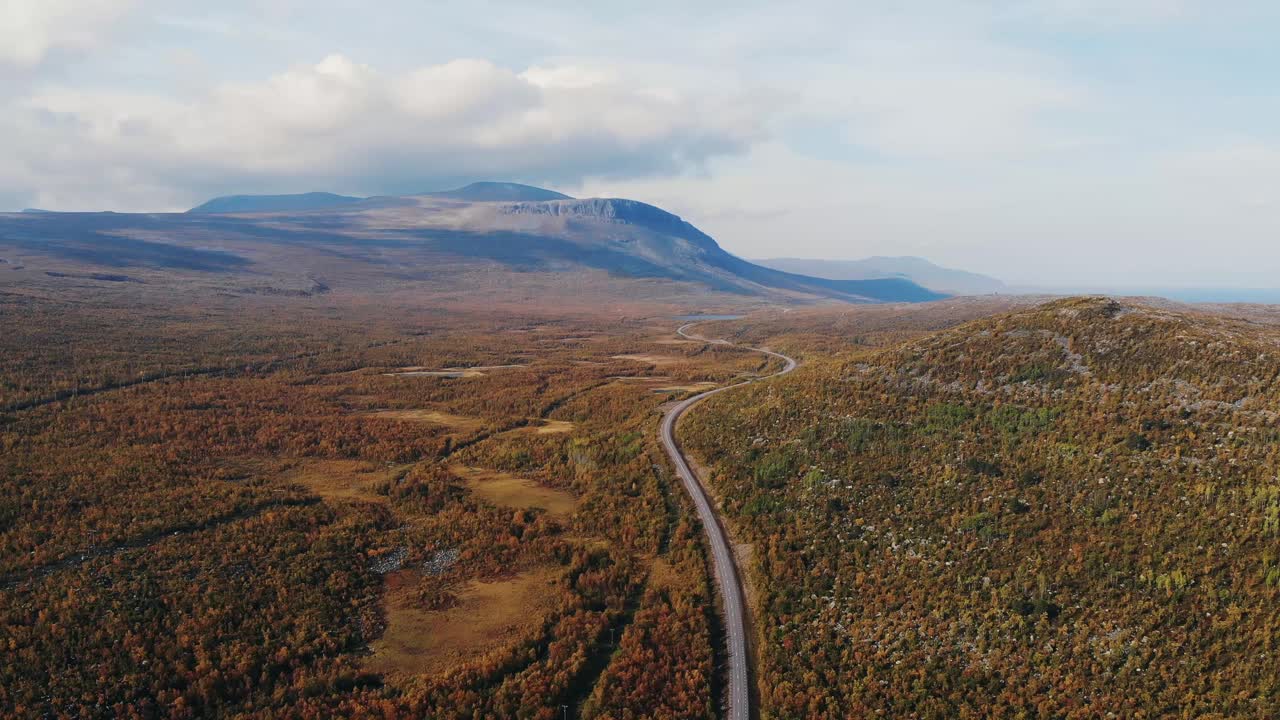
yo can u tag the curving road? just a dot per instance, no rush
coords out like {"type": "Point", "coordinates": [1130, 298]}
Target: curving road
{"type": "Point", "coordinates": [726, 571]}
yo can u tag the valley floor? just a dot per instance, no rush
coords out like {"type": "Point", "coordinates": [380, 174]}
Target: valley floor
{"type": "Point", "coordinates": [316, 507]}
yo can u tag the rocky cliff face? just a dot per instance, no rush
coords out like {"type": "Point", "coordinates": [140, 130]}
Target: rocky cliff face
{"type": "Point", "coordinates": [629, 212]}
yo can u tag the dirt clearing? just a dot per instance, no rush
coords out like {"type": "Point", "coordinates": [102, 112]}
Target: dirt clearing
{"type": "Point", "coordinates": [652, 359]}
{"type": "Point", "coordinates": [435, 373]}
{"type": "Point", "coordinates": [434, 417]}
{"type": "Point", "coordinates": [554, 427]}
{"type": "Point", "coordinates": [694, 387]}
{"type": "Point", "coordinates": [662, 576]}
{"type": "Point", "coordinates": [489, 615]}
{"type": "Point", "coordinates": [341, 479]}
{"type": "Point", "coordinates": [450, 372]}
{"type": "Point", "coordinates": [507, 490]}
{"type": "Point", "coordinates": [481, 369]}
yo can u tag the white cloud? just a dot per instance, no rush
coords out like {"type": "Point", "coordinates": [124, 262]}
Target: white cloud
{"type": "Point", "coordinates": [346, 126]}
{"type": "Point", "coordinates": [567, 77]}
{"type": "Point", "coordinates": [936, 110]}
{"type": "Point", "coordinates": [30, 29]}
{"type": "Point", "coordinates": [474, 90]}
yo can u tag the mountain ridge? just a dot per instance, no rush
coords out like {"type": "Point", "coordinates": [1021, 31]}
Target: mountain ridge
{"type": "Point", "coordinates": [434, 238]}
{"type": "Point", "coordinates": [272, 203]}
{"type": "Point", "coordinates": [917, 269]}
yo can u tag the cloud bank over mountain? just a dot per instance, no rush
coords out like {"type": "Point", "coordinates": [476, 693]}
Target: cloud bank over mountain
{"type": "Point", "coordinates": [339, 124]}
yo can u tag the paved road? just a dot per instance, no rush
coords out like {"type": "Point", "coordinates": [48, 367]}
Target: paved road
{"type": "Point", "coordinates": [726, 571]}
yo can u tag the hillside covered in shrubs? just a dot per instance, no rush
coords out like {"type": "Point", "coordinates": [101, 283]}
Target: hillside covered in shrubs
{"type": "Point", "coordinates": [1069, 511]}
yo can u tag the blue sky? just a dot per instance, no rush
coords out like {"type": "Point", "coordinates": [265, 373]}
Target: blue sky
{"type": "Point", "coordinates": [1049, 142]}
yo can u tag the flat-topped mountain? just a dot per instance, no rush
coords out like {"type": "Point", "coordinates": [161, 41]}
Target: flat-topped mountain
{"type": "Point", "coordinates": [475, 192]}
{"type": "Point", "coordinates": [435, 241]}
{"type": "Point", "coordinates": [273, 203]}
{"type": "Point", "coordinates": [501, 192]}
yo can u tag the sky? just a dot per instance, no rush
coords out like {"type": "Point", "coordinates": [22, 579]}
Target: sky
{"type": "Point", "coordinates": [1046, 142]}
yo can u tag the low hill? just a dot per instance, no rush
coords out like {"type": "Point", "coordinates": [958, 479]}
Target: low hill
{"type": "Point", "coordinates": [915, 269]}
{"type": "Point", "coordinates": [1067, 511]}
{"type": "Point", "coordinates": [486, 234]}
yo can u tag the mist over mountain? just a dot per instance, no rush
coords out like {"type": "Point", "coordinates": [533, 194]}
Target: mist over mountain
{"type": "Point", "coordinates": [915, 269]}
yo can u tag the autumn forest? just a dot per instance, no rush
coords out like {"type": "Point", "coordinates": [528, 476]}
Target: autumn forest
{"type": "Point", "coordinates": [968, 508]}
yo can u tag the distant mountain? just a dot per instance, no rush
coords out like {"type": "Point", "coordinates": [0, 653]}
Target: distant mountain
{"type": "Point", "coordinates": [35, 211]}
{"type": "Point", "coordinates": [658, 243]}
{"type": "Point", "coordinates": [500, 192]}
{"type": "Point", "coordinates": [273, 203]}
{"type": "Point", "coordinates": [475, 192]}
{"type": "Point", "coordinates": [915, 269]}
{"type": "Point", "coordinates": [491, 233]}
